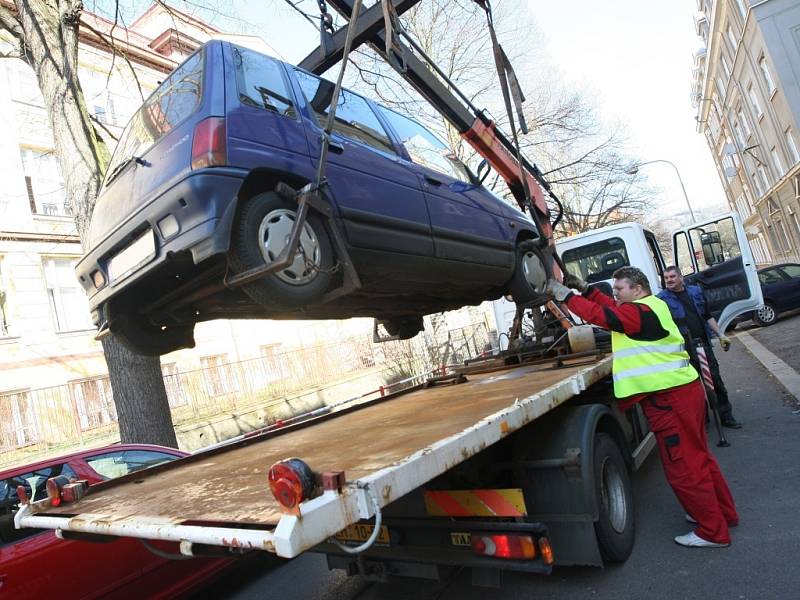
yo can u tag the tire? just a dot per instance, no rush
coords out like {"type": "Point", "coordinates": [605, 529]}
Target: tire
{"type": "Point", "coordinates": [404, 328]}
{"type": "Point", "coordinates": [142, 337]}
{"type": "Point", "coordinates": [615, 527]}
{"type": "Point", "coordinates": [260, 232]}
{"type": "Point", "coordinates": [766, 315]}
{"type": "Point", "coordinates": [530, 275]}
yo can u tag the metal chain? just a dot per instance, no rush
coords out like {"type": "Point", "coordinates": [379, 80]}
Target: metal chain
{"type": "Point", "coordinates": [326, 18]}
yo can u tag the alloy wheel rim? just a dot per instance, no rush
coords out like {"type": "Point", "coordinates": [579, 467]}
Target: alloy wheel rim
{"type": "Point", "coordinates": [273, 235]}
{"type": "Point", "coordinates": [766, 313]}
{"type": "Point", "coordinates": [534, 272]}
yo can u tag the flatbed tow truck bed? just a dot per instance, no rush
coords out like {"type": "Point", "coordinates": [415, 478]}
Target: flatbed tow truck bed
{"type": "Point", "coordinates": [386, 448]}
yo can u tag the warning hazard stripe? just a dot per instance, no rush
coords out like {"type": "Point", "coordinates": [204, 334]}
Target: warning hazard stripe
{"type": "Point", "coordinates": [475, 503]}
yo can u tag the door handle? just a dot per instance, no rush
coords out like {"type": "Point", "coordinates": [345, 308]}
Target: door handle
{"type": "Point", "coordinates": [433, 180]}
{"type": "Point", "coordinates": [335, 147]}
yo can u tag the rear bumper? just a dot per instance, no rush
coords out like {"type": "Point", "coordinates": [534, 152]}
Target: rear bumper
{"type": "Point", "coordinates": [203, 204]}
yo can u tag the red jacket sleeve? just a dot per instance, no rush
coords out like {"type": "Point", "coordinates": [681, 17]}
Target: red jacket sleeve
{"type": "Point", "coordinates": [599, 309]}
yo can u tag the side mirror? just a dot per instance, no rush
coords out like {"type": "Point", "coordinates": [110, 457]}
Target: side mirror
{"type": "Point", "coordinates": [712, 248]}
{"type": "Point", "coordinates": [483, 170]}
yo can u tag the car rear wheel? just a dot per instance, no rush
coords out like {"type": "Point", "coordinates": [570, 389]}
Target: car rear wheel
{"type": "Point", "coordinates": [138, 335]}
{"type": "Point", "coordinates": [766, 315]}
{"type": "Point", "coordinates": [261, 231]}
{"type": "Point", "coordinates": [530, 275]}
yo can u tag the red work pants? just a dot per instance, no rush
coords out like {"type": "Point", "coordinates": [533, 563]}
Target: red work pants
{"type": "Point", "coordinates": [676, 417]}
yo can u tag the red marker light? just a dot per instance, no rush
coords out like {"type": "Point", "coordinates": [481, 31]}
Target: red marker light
{"type": "Point", "coordinates": [292, 481]}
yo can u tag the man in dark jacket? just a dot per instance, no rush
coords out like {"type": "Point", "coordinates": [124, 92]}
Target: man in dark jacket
{"type": "Point", "coordinates": [688, 306]}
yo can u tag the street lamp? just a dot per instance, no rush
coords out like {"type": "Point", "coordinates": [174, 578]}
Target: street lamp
{"type": "Point", "coordinates": [635, 169]}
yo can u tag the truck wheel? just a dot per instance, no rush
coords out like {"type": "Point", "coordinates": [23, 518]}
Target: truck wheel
{"type": "Point", "coordinates": [615, 527]}
{"type": "Point", "coordinates": [140, 336]}
{"type": "Point", "coordinates": [530, 276]}
{"type": "Point", "coordinates": [766, 315]}
{"type": "Point", "coordinates": [261, 230]}
{"type": "Point", "coordinates": [404, 327]}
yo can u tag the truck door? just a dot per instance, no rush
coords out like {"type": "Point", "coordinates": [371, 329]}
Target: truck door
{"type": "Point", "coordinates": [716, 255]}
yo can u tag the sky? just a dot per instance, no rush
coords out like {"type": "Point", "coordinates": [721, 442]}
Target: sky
{"type": "Point", "coordinates": [633, 58]}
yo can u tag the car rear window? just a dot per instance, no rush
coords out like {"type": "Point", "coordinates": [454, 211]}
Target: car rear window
{"type": "Point", "coordinates": [172, 102]}
{"type": "Point", "coordinates": [261, 82]}
{"type": "Point", "coordinates": [598, 261]}
{"type": "Point", "coordinates": [116, 464]}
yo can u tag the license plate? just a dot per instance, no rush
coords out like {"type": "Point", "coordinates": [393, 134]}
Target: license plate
{"type": "Point", "coordinates": [142, 250]}
{"type": "Point", "coordinates": [360, 533]}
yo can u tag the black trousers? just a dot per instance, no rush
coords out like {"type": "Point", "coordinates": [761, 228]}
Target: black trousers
{"type": "Point", "coordinates": [723, 402]}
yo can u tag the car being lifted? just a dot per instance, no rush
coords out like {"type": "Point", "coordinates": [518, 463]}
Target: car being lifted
{"type": "Point", "coordinates": [200, 190]}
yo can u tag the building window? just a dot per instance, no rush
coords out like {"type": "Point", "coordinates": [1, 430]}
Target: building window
{"type": "Point", "coordinates": [4, 311]}
{"type": "Point", "coordinates": [743, 206]}
{"type": "Point", "coordinates": [792, 145]}
{"type": "Point", "coordinates": [795, 222]}
{"type": "Point", "coordinates": [742, 8]}
{"type": "Point", "coordinates": [17, 420]}
{"type": "Point", "coordinates": [94, 401]}
{"type": "Point", "coordinates": [731, 39]}
{"type": "Point", "coordinates": [43, 182]}
{"type": "Point", "coordinates": [726, 69]}
{"type": "Point", "coordinates": [218, 376]}
{"type": "Point", "coordinates": [737, 133]}
{"type": "Point", "coordinates": [176, 396]}
{"type": "Point", "coordinates": [68, 303]}
{"type": "Point", "coordinates": [762, 64]}
{"type": "Point", "coordinates": [776, 162]}
{"type": "Point", "coordinates": [762, 177]}
{"type": "Point", "coordinates": [745, 124]}
{"type": "Point", "coordinates": [753, 95]}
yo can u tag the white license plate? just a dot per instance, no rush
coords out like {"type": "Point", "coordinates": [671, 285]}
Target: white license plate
{"type": "Point", "coordinates": [142, 250]}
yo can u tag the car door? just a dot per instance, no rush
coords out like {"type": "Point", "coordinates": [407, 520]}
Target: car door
{"type": "Point", "coordinates": [791, 295]}
{"type": "Point", "coordinates": [468, 222]}
{"type": "Point", "coordinates": [378, 196]}
{"type": "Point", "coordinates": [35, 564]}
{"type": "Point", "coordinates": [716, 255]}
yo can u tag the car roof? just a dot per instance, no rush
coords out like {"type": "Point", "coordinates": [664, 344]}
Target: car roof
{"type": "Point", "coordinates": [87, 453]}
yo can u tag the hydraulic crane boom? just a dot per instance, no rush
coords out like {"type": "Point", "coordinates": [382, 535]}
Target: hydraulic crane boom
{"type": "Point", "coordinates": [472, 123]}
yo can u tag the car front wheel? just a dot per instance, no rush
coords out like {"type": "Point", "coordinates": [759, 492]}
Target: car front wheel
{"type": "Point", "coordinates": [766, 315]}
{"type": "Point", "coordinates": [261, 231]}
{"type": "Point", "coordinates": [530, 275]}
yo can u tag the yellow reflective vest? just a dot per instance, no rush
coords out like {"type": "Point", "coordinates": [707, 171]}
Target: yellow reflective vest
{"type": "Point", "coordinates": [642, 366]}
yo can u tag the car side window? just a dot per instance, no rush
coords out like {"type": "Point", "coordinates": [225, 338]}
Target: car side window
{"type": "Point", "coordinates": [116, 464]}
{"type": "Point", "coordinates": [424, 148]}
{"type": "Point", "coordinates": [35, 483]}
{"type": "Point", "coordinates": [596, 261]}
{"type": "Point", "coordinates": [354, 117]}
{"type": "Point", "coordinates": [793, 271]}
{"type": "Point", "coordinates": [770, 276]}
{"type": "Point", "coordinates": [261, 83]}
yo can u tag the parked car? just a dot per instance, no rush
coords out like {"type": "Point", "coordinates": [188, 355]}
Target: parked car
{"type": "Point", "coordinates": [190, 199]}
{"type": "Point", "coordinates": [36, 564]}
{"type": "Point", "coordinates": [780, 285]}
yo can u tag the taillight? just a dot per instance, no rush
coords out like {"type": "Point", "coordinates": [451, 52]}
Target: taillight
{"type": "Point", "coordinates": [292, 481]}
{"type": "Point", "coordinates": [546, 551]}
{"type": "Point", "coordinates": [61, 489]}
{"type": "Point", "coordinates": [209, 147]}
{"type": "Point", "coordinates": [504, 546]}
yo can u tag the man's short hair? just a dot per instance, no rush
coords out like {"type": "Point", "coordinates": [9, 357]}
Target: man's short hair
{"type": "Point", "coordinates": [673, 268]}
{"type": "Point", "coordinates": [635, 276]}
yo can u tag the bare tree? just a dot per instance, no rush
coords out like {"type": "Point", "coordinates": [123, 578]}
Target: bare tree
{"type": "Point", "coordinates": [582, 159]}
{"type": "Point", "coordinates": [46, 35]}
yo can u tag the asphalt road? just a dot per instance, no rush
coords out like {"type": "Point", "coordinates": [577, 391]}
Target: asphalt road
{"type": "Point", "coordinates": [762, 467]}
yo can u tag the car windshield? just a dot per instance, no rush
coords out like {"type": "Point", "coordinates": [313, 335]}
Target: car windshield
{"type": "Point", "coordinates": [598, 261]}
{"type": "Point", "coordinates": [172, 102]}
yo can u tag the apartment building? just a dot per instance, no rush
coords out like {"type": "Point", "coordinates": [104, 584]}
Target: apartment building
{"type": "Point", "coordinates": [746, 89]}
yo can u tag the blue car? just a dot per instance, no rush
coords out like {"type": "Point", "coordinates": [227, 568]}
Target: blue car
{"type": "Point", "coordinates": [192, 198]}
{"type": "Point", "coordinates": [780, 285]}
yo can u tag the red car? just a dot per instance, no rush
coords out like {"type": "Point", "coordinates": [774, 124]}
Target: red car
{"type": "Point", "coordinates": [36, 564]}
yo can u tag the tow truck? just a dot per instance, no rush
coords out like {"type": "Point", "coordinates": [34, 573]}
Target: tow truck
{"type": "Point", "coordinates": [518, 461]}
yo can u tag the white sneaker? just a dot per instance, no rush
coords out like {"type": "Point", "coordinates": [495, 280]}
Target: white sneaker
{"type": "Point", "coordinates": [691, 519]}
{"type": "Point", "coordinates": [692, 540]}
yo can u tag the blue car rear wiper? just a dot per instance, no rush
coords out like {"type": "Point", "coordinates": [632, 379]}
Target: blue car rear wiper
{"type": "Point", "coordinates": [121, 166]}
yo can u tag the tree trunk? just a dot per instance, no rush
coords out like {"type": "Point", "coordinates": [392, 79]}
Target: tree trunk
{"type": "Point", "coordinates": [47, 32]}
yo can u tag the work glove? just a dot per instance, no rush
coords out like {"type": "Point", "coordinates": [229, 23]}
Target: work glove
{"type": "Point", "coordinates": [725, 342]}
{"type": "Point", "coordinates": [575, 282]}
{"type": "Point", "coordinates": [557, 290]}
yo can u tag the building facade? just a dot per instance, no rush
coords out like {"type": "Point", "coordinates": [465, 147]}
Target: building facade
{"type": "Point", "coordinates": [746, 88]}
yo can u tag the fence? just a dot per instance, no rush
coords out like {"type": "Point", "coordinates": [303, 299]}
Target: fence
{"type": "Point", "coordinates": [82, 413]}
